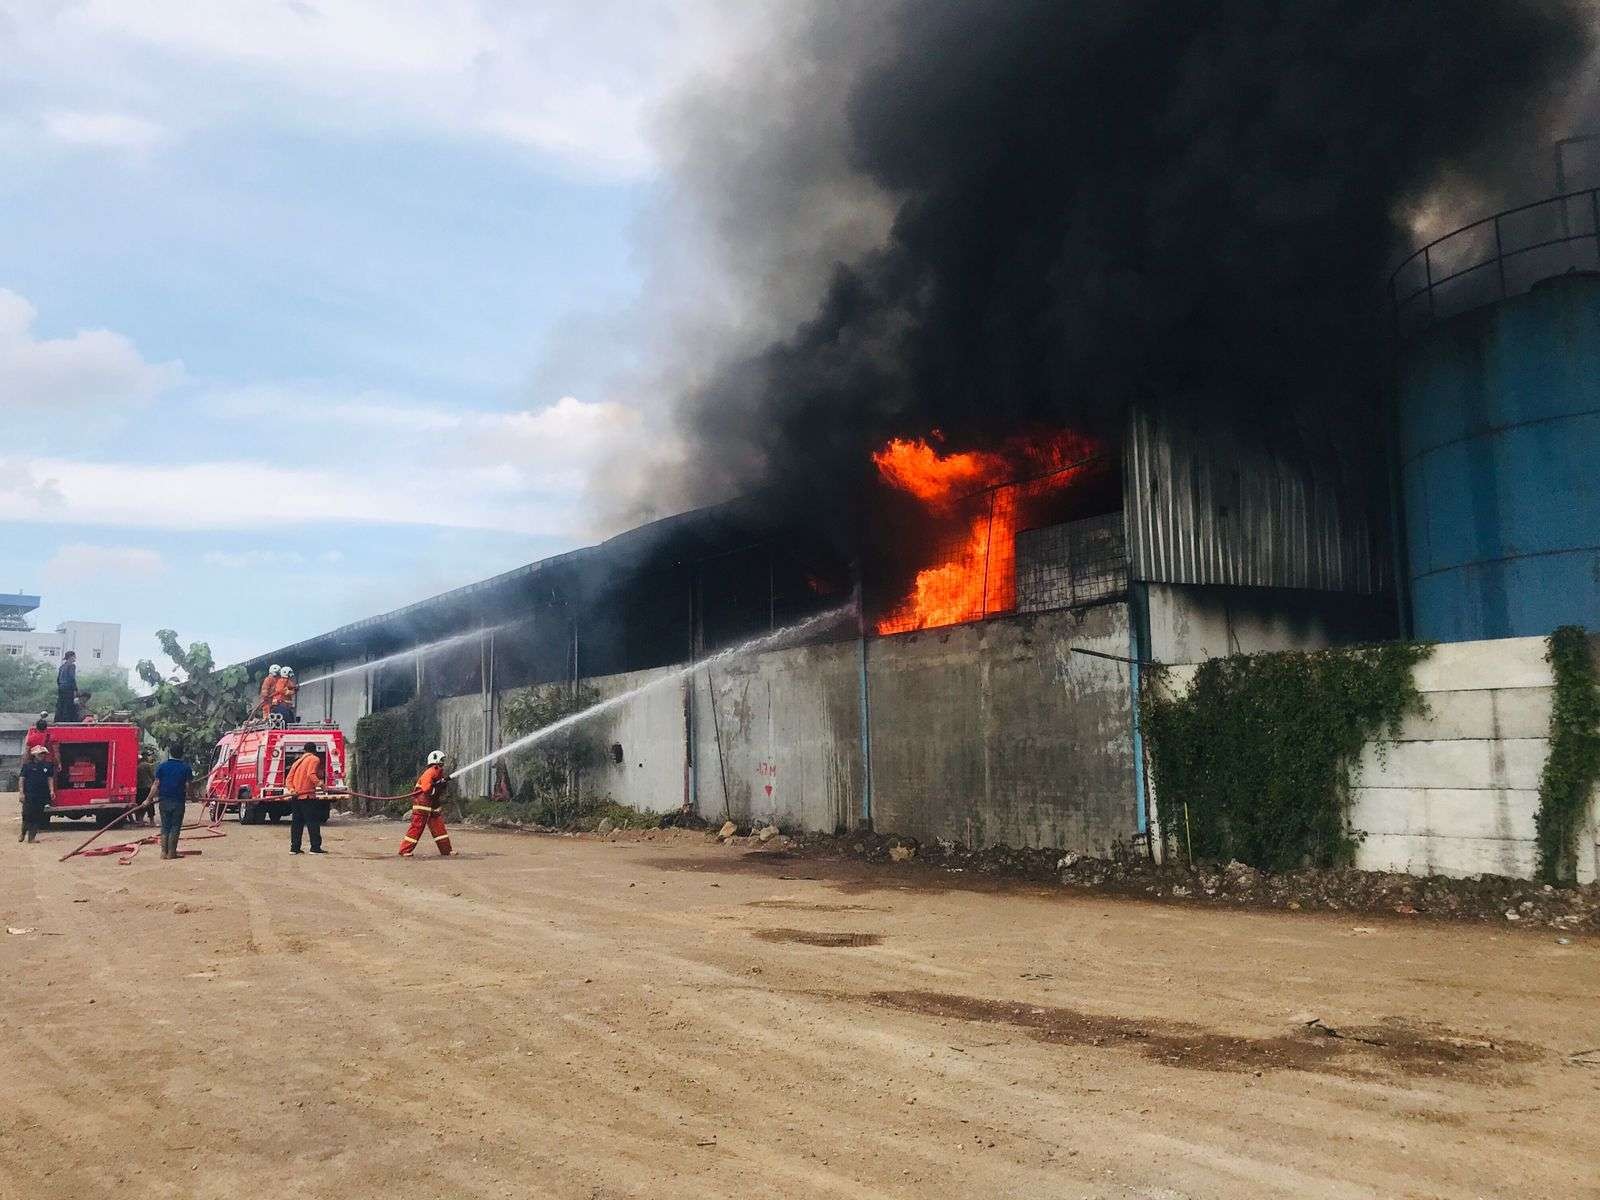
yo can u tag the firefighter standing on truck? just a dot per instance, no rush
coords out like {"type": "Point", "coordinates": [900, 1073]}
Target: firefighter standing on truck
{"type": "Point", "coordinates": [269, 689]}
{"type": "Point", "coordinates": [306, 811]}
{"type": "Point", "coordinates": [427, 807]}
{"type": "Point", "coordinates": [283, 699]}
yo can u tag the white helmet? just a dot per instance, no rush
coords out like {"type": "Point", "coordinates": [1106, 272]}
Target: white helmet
{"type": "Point", "coordinates": [286, 672]}
{"type": "Point", "coordinates": [436, 758]}
{"type": "Point", "coordinates": [274, 669]}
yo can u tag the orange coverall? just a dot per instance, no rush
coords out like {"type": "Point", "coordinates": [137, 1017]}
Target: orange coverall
{"type": "Point", "coordinates": [269, 689]}
{"type": "Point", "coordinates": [427, 807]}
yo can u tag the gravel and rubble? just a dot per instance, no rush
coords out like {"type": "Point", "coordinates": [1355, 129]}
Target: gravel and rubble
{"type": "Point", "coordinates": [1494, 898]}
{"type": "Point", "coordinates": [1485, 898]}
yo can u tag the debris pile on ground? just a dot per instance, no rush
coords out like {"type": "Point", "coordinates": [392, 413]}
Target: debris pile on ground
{"type": "Point", "coordinates": [590, 816]}
{"type": "Point", "coordinates": [1496, 898]}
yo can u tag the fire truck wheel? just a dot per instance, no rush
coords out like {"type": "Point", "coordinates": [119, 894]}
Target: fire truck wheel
{"type": "Point", "coordinates": [248, 814]}
{"type": "Point", "coordinates": [274, 816]}
{"type": "Point", "coordinates": [102, 819]}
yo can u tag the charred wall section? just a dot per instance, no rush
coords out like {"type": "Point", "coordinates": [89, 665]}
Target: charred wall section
{"type": "Point", "coordinates": [998, 734]}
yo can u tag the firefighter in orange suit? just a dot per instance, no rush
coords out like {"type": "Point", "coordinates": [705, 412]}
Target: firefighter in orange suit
{"type": "Point", "coordinates": [427, 807]}
{"type": "Point", "coordinates": [283, 697]}
{"type": "Point", "coordinates": [269, 688]}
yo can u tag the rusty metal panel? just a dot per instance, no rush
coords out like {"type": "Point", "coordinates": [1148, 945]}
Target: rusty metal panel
{"type": "Point", "coordinates": [1205, 506]}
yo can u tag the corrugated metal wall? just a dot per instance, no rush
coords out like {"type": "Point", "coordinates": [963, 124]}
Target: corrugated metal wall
{"type": "Point", "coordinates": [1205, 506]}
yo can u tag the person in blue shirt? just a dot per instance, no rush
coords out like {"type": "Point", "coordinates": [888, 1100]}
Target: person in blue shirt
{"type": "Point", "coordinates": [174, 781]}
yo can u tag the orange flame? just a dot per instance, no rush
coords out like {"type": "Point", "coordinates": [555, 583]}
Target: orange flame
{"type": "Point", "coordinates": [979, 577]}
{"type": "Point", "coordinates": [916, 467]}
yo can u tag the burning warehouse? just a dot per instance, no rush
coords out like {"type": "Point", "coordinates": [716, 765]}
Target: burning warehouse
{"type": "Point", "coordinates": [1081, 361]}
{"type": "Point", "coordinates": [983, 691]}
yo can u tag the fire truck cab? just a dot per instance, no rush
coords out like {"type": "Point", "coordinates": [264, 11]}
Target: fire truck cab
{"type": "Point", "coordinates": [97, 769]}
{"type": "Point", "coordinates": [253, 761]}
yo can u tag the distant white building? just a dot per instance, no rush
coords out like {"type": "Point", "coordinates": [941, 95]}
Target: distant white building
{"type": "Point", "coordinates": [98, 643]}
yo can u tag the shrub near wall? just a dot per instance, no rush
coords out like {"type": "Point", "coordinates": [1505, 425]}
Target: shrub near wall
{"type": "Point", "coordinates": [1253, 762]}
{"type": "Point", "coordinates": [1570, 772]}
{"type": "Point", "coordinates": [391, 748]}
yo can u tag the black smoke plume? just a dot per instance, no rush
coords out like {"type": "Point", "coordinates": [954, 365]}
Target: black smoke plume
{"type": "Point", "coordinates": [1103, 203]}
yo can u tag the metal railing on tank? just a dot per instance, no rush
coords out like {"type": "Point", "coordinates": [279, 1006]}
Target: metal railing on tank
{"type": "Point", "coordinates": [1495, 258]}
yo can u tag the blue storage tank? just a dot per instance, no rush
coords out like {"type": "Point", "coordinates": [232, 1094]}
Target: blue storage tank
{"type": "Point", "coordinates": [1499, 429]}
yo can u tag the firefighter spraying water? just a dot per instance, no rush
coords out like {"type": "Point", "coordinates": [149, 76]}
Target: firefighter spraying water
{"type": "Point", "coordinates": [427, 807]}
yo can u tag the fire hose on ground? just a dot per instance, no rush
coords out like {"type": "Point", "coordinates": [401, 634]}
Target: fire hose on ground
{"type": "Point", "coordinates": [208, 829]}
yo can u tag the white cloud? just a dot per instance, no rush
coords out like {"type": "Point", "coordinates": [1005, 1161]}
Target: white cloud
{"type": "Point", "coordinates": [109, 130]}
{"type": "Point", "coordinates": [80, 562]}
{"type": "Point", "coordinates": [550, 448]}
{"type": "Point", "coordinates": [252, 560]}
{"type": "Point", "coordinates": [91, 368]}
{"type": "Point", "coordinates": [19, 480]}
{"type": "Point", "coordinates": [247, 495]}
{"type": "Point", "coordinates": [575, 80]}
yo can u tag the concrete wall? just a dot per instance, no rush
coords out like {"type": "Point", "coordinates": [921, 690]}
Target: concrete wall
{"type": "Point", "coordinates": [985, 734]}
{"type": "Point", "coordinates": [1456, 792]}
{"type": "Point", "coordinates": [461, 736]}
{"type": "Point", "coordinates": [778, 738]}
{"type": "Point", "coordinates": [650, 730]}
{"type": "Point", "coordinates": [995, 733]}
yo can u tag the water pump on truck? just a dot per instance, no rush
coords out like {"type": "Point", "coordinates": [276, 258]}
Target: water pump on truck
{"type": "Point", "coordinates": [253, 761]}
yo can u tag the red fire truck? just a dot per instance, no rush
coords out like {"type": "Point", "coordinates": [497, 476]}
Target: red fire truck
{"type": "Point", "coordinates": [253, 760]}
{"type": "Point", "coordinates": [98, 774]}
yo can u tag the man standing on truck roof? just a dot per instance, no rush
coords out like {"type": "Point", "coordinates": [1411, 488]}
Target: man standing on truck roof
{"type": "Point", "coordinates": [67, 689]}
{"type": "Point", "coordinates": [174, 782]}
{"type": "Point", "coordinates": [269, 689]}
{"type": "Point", "coordinates": [306, 811]}
{"type": "Point", "coordinates": [427, 807]}
{"type": "Point", "coordinates": [38, 785]}
{"type": "Point", "coordinates": [283, 700]}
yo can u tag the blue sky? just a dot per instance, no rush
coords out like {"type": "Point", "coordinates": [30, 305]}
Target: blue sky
{"type": "Point", "coordinates": [309, 309]}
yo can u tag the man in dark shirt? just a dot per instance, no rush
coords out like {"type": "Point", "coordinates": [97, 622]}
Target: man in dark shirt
{"type": "Point", "coordinates": [146, 783]}
{"type": "Point", "coordinates": [67, 689]}
{"type": "Point", "coordinates": [38, 792]}
{"type": "Point", "coordinates": [174, 779]}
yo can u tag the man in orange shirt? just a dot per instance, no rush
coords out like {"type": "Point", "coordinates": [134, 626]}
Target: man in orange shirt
{"type": "Point", "coordinates": [306, 812]}
{"type": "Point", "coordinates": [427, 807]}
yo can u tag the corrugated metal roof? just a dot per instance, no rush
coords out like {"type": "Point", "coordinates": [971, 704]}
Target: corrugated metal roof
{"type": "Point", "coordinates": [1204, 506]}
{"type": "Point", "coordinates": [697, 533]}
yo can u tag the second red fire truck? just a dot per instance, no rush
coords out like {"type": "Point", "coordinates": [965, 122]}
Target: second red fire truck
{"type": "Point", "coordinates": [253, 760]}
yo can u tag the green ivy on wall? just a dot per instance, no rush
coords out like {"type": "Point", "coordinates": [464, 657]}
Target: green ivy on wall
{"type": "Point", "coordinates": [1570, 771]}
{"type": "Point", "coordinates": [1253, 762]}
{"type": "Point", "coordinates": [392, 745]}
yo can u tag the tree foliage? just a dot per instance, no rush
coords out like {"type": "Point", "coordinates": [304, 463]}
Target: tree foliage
{"type": "Point", "coordinates": [545, 767]}
{"type": "Point", "coordinates": [28, 685]}
{"type": "Point", "coordinates": [197, 704]}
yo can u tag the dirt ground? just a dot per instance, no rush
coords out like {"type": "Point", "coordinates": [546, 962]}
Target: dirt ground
{"type": "Point", "coordinates": [656, 1016]}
